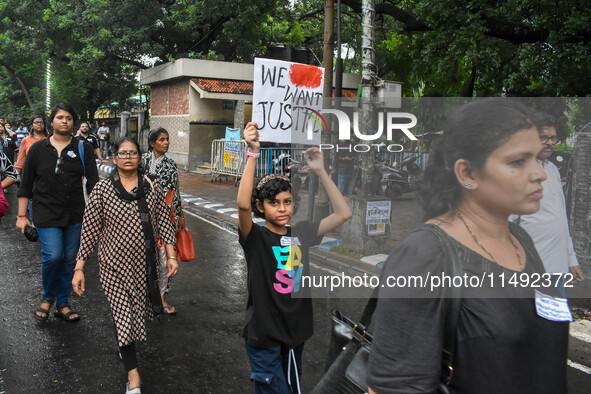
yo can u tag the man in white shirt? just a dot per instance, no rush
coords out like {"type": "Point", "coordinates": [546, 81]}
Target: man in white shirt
{"type": "Point", "coordinates": [104, 137]}
{"type": "Point", "coordinates": [548, 227]}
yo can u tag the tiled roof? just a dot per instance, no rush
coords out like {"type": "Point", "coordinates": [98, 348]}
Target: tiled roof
{"type": "Point", "coordinates": [350, 94]}
{"type": "Point", "coordinates": [223, 85]}
{"type": "Point", "coordinates": [242, 87]}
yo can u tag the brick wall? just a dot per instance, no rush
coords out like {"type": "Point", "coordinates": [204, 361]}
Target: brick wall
{"type": "Point", "coordinates": [178, 130]}
{"type": "Point", "coordinates": [170, 98]}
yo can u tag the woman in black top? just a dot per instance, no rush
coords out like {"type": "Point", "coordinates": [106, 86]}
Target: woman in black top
{"type": "Point", "coordinates": [482, 170]}
{"type": "Point", "coordinates": [55, 167]}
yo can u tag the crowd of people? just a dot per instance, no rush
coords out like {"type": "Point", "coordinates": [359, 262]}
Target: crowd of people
{"type": "Point", "coordinates": [488, 187]}
{"type": "Point", "coordinates": [57, 167]}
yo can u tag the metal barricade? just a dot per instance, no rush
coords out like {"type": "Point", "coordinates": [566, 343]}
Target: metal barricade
{"type": "Point", "coordinates": [274, 160]}
{"type": "Point", "coordinates": [227, 159]}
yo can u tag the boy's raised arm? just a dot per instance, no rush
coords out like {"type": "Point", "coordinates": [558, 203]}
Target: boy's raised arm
{"type": "Point", "coordinates": [251, 136]}
{"type": "Point", "coordinates": [342, 212]}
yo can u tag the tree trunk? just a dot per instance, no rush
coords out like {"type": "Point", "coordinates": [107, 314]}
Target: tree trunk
{"type": "Point", "coordinates": [20, 82]}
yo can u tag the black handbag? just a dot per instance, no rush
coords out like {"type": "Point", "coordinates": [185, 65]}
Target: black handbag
{"type": "Point", "coordinates": [350, 344]}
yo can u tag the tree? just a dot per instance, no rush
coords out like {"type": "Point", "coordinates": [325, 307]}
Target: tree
{"type": "Point", "coordinates": [436, 48]}
{"type": "Point", "coordinates": [94, 49]}
{"type": "Point", "coordinates": [482, 48]}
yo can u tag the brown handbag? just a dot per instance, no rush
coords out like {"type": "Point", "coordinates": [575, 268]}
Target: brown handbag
{"type": "Point", "coordinates": [185, 251]}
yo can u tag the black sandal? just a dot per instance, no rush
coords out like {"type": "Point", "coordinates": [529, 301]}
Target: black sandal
{"type": "Point", "coordinates": [66, 316]}
{"type": "Point", "coordinates": [41, 310]}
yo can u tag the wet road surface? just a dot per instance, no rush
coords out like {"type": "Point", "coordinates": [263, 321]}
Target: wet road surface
{"type": "Point", "coordinates": [199, 350]}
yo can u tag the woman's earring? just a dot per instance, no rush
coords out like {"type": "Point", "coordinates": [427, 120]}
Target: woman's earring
{"type": "Point", "coordinates": [469, 186]}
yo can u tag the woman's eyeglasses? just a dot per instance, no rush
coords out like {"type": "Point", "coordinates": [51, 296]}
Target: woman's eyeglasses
{"type": "Point", "coordinates": [37, 122]}
{"type": "Point", "coordinates": [58, 166]}
{"type": "Point", "coordinates": [124, 155]}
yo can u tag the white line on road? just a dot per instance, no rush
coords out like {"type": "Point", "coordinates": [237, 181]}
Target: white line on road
{"type": "Point", "coordinates": [226, 210]}
{"type": "Point", "coordinates": [581, 336]}
{"type": "Point", "coordinates": [212, 206]}
{"type": "Point", "coordinates": [581, 329]}
{"type": "Point", "coordinates": [210, 222]}
{"type": "Point", "coordinates": [578, 366]}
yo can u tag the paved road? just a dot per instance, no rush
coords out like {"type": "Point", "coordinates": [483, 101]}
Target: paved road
{"type": "Point", "coordinates": [197, 351]}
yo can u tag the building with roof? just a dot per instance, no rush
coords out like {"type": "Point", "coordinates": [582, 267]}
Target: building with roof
{"type": "Point", "coordinates": [195, 100]}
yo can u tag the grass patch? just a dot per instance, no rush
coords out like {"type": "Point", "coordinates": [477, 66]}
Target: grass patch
{"type": "Point", "coordinates": [346, 251]}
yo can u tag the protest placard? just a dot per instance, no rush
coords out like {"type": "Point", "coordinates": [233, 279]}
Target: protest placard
{"type": "Point", "coordinates": [287, 100]}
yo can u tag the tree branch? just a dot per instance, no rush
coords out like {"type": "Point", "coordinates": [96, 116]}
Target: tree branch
{"type": "Point", "coordinates": [20, 82]}
{"type": "Point", "coordinates": [514, 32]}
{"type": "Point", "coordinates": [132, 62]}
{"type": "Point", "coordinates": [311, 14]}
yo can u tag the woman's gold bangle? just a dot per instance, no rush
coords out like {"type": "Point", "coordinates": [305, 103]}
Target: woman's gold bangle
{"type": "Point", "coordinates": [172, 257]}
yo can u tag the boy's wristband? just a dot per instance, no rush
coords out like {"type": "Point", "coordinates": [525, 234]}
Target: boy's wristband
{"type": "Point", "coordinates": [252, 154]}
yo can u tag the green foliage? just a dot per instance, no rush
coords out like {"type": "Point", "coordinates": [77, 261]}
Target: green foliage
{"type": "Point", "coordinates": [564, 148]}
{"type": "Point", "coordinates": [482, 48]}
{"type": "Point", "coordinates": [436, 48]}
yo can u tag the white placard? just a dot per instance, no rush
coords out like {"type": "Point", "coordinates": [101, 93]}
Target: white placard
{"type": "Point", "coordinates": [378, 212]}
{"type": "Point", "coordinates": [287, 100]}
{"type": "Point", "coordinates": [551, 308]}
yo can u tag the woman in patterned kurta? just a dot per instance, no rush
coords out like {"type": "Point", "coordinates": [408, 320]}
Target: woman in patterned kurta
{"type": "Point", "coordinates": [114, 216]}
{"type": "Point", "coordinates": [158, 164]}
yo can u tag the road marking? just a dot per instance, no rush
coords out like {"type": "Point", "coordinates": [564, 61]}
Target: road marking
{"type": "Point", "coordinates": [227, 210]}
{"type": "Point", "coordinates": [578, 366]}
{"type": "Point", "coordinates": [213, 206]}
{"type": "Point", "coordinates": [581, 336]}
{"type": "Point", "coordinates": [581, 329]}
{"type": "Point", "coordinates": [210, 222]}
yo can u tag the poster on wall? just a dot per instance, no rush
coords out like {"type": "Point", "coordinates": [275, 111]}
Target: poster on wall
{"type": "Point", "coordinates": [232, 134]}
{"type": "Point", "coordinates": [287, 100]}
{"type": "Point", "coordinates": [378, 212]}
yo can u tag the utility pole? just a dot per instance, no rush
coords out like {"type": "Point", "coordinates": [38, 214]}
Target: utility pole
{"type": "Point", "coordinates": [338, 92]}
{"type": "Point", "coordinates": [327, 63]}
{"type": "Point", "coordinates": [357, 233]}
{"type": "Point", "coordinates": [327, 59]}
{"type": "Point", "coordinates": [368, 78]}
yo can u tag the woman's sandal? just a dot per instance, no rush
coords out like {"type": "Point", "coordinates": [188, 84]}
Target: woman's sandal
{"type": "Point", "coordinates": [66, 316]}
{"type": "Point", "coordinates": [135, 390]}
{"type": "Point", "coordinates": [42, 310]}
{"type": "Point", "coordinates": [169, 309]}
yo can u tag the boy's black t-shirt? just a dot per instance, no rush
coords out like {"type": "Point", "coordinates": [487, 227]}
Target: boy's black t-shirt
{"type": "Point", "coordinates": [276, 264]}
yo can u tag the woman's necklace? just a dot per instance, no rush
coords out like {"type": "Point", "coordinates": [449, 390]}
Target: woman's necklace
{"type": "Point", "coordinates": [487, 252]}
{"type": "Point", "coordinates": [56, 144]}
